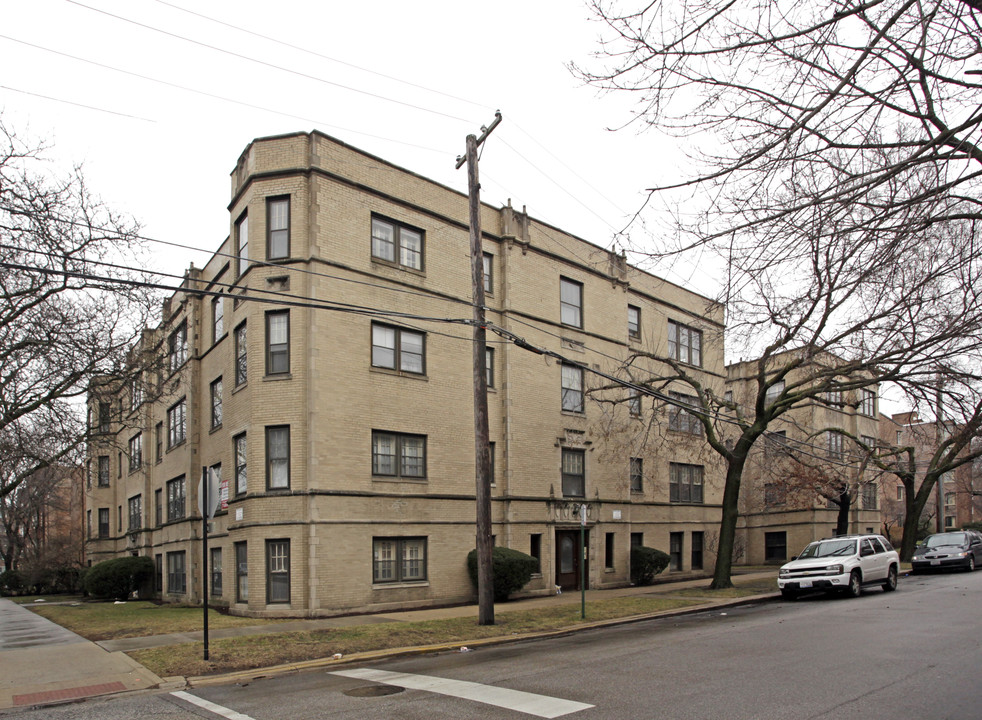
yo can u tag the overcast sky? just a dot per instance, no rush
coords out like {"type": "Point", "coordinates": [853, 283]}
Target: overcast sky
{"type": "Point", "coordinates": [158, 99]}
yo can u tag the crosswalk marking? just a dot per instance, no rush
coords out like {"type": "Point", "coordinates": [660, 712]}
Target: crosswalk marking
{"type": "Point", "coordinates": [529, 703]}
{"type": "Point", "coordinates": [210, 706]}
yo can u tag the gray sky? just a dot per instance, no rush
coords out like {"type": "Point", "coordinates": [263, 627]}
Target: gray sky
{"type": "Point", "coordinates": [160, 118]}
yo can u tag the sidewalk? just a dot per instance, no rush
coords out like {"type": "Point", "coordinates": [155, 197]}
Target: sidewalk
{"type": "Point", "coordinates": [80, 668]}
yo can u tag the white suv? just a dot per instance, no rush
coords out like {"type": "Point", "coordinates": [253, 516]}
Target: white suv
{"type": "Point", "coordinates": [841, 564]}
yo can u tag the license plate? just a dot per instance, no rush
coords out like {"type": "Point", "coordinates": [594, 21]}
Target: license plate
{"type": "Point", "coordinates": [805, 583]}
{"type": "Point", "coordinates": [935, 562]}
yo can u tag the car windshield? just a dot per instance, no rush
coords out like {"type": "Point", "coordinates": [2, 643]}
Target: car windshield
{"type": "Point", "coordinates": [946, 539]}
{"type": "Point", "coordinates": [829, 548]}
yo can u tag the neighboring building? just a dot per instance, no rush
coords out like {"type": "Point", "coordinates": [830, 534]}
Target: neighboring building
{"type": "Point", "coordinates": [344, 431]}
{"type": "Point", "coordinates": [784, 503]}
{"type": "Point", "coordinates": [962, 487]}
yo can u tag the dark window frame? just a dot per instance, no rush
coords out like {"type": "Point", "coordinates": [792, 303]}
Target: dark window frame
{"type": "Point", "coordinates": [240, 360]}
{"type": "Point", "coordinates": [570, 312]}
{"type": "Point", "coordinates": [177, 431]}
{"type": "Point", "coordinates": [399, 249]}
{"type": "Point", "coordinates": [634, 323]}
{"type": "Point", "coordinates": [399, 460]}
{"type": "Point", "coordinates": [637, 474]}
{"type": "Point", "coordinates": [572, 398]}
{"type": "Point", "coordinates": [278, 234]}
{"type": "Point", "coordinates": [240, 460]}
{"type": "Point", "coordinates": [103, 523]}
{"type": "Point", "coordinates": [270, 459]}
{"type": "Point", "coordinates": [217, 318]}
{"type": "Point", "coordinates": [177, 572]}
{"type": "Point", "coordinates": [681, 420]}
{"type": "Point", "coordinates": [104, 465]}
{"type": "Point", "coordinates": [216, 389]}
{"type": "Point", "coordinates": [398, 354]}
{"type": "Point", "coordinates": [136, 452]}
{"type": "Point", "coordinates": [277, 354]}
{"type": "Point", "coordinates": [242, 248]}
{"type": "Point", "coordinates": [177, 347]}
{"type": "Point", "coordinates": [177, 498]}
{"type": "Point", "coordinates": [274, 594]}
{"type": "Point", "coordinates": [487, 267]}
{"type": "Point", "coordinates": [215, 571]}
{"type": "Point", "coordinates": [686, 483]}
{"type": "Point", "coordinates": [134, 506]}
{"type": "Point", "coordinates": [241, 552]}
{"type": "Point", "coordinates": [489, 366]}
{"type": "Point", "coordinates": [396, 565]}
{"type": "Point", "coordinates": [684, 343]}
{"type": "Point", "coordinates": [573, 483]}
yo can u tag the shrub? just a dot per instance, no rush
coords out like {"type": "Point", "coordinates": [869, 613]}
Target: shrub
{"type": "Point", "coordinates": [117, 578]}
{"type": "Point", "coordinates": [11, 582]}
{"type": "Point", "coordinates": [647, 562]}
{"type": "Point", "coordinates": [510, 570]}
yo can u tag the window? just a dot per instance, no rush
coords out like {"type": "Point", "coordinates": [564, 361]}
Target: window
{"type": "Point", "coordinates": [775, 494]}
{"type": "Point", "coordinates": [637, 539]}
{"type": "Point", "coordinates": [398, 559]}
{"type": "Point", "coordinates": [103, 471]}
{"type": "Point", "coordinates": [136, 452]}
{"type": "Point", "coordinates": [215, 564]}
{"type": "Point", "coordinates": [176, 576]}
{"type": "Point", "coordinates": [834, 397]}
{"type": "Point", "coordinates": [491, 451]}
{"type": "Point", "coordinates": [216, 403]}
{"type": "Point", "coordinates": [675, 550]}
{"type": "Point", "coordinates": [277, 228]}
{"type": "Point", "coordinates": [158, 506]}
{"type": "Point", "coordinates": [105, 415]}
{"type": "Point", "coordinates": [489, 365]}
{"type": "Point", "coordinates": [684, 343]}
{"type": "Point", "coordinates": [570, 302]}
{"type": "Point", "coordinates": [241, 573]}
{"type": "Point", "coordinates": [217, 318]}
{"type": "Point", "coordinates": [633, 322]}
{"type": "Point", "coordinates": [119, 518]}
{"type": "Point", "coordinates": [177, 347]}
{"type": "Point", "coordinates": [833, 442]}
{"type": "Point", "coordinates": [136, 391]}
{"type": "Point", "coordinates": [240, 355]}
{"type": "Point", "coordinates": [175, 498]}
{"type": "Point", "coordinates": [396, 243]}
{"type": "Point", "coordinates": [119, 464]}
{"type": "Point", "coordinates": [488, 260]}
{"type": "Point", "coordinates": [136, 513]}
{"type": "Point", "coordinates": [158, 441]}
{"type": "Point", "coordinates": [900, 492]}
{"type": "Point", "coordinates": [681, 420]}
{"type": "Point", "coordinates": [277, 342]}
{"type": "Point", "coordinates": [572, 388]}
{"type": "Point", "coordinates": [609, 551]}
{"type": "Point", "coordinates": [773, 392]}
{"type": "Point", "coordinates": [277, 571]}
{"type": "Point", "coordinates": [278, 457]}
{"type": "Point", "coordinates": [103, 522]}
{"type": "Point", "coordinates": [158, 573]}
{"type": "Point", "coordinates": [867, 402]}
{"type": "Point", "coordinates": [398, 349]}
{"type": "Point", "coordinates": [239, 446]}
{"type": "Point", "coordinates": [869, 491]}
{"type": "Point", "coordinates": [398, 455]}
{"type": "Point", "coordinates": [775, 547]}
{"type": "Point", "coordinates": [637, 475]}
{"type": "Point", "coordinates": [574, 473]}
{"type": "Point", "coordinates": [684, 483]}
{"type": "Point", "coordinates": [242, 243]}
{"type": "Point", "coordinates": [696, 552]}
{"type": "Point", "coordinates": [176, 423]}
{"type": "Point", "coordinates": [634, 403]}
{"type": "Point", "coordinates": [535, 549]}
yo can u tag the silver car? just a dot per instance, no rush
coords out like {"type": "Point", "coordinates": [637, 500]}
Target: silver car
{"type": "Point", "coordinates": [841, 564]}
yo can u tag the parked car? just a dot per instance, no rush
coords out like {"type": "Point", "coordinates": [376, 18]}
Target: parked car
{"type": "Point", "coordinates": [962, 549]}
{"type": "Point", "coordinates": [841, 564]}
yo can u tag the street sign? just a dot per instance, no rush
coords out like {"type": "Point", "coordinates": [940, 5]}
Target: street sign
{"type": "Point", "coordinates": [214, 495]}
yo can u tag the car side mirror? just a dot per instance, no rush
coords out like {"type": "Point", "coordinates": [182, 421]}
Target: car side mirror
{"type": "Point", "coordinates": [794, 557]}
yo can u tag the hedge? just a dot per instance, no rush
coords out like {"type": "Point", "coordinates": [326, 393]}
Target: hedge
{"type": "Point", "coordinates": [510, 570]}
{"type": "Point", "coordinates": [647, 562]}
{"type": "Point", "coordinates": [117, 578]}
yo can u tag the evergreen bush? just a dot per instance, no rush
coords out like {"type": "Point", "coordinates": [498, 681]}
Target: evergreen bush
{"type": "Point", "coordinates": [118, 577]}
{"type": "Point", "coordinates": [647, 562]}
{"type": "Point", "coordinates": [510, 569]}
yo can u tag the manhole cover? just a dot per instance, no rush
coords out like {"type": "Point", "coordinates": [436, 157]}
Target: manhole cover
{"type": "Point", "coordinates": [373, 691]}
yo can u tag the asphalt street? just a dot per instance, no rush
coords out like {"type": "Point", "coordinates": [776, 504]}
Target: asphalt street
{"type": "Point", "coordinates": [909, 654]}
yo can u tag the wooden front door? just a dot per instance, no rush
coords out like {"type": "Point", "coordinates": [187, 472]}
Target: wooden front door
{"type": "Point", "coordinates": [570, 561]}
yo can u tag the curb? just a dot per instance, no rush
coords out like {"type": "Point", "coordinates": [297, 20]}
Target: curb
{"type": "Point", "coordinates": [373, 655]}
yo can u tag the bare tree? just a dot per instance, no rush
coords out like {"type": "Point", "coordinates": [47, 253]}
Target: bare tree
{"type": "Point", "coordinates": [71, 307]}
{"type": "Point", "coordinates": [835, 175]}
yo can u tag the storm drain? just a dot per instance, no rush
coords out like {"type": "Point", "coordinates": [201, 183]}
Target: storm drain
{"type": "Point", "coordinates": [373, 691]}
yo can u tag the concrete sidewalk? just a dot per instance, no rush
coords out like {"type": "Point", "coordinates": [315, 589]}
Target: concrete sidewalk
{"type": "Point", "coordinates": [77, 668]}
{"type": "Point", "coordinates": [42, 663]}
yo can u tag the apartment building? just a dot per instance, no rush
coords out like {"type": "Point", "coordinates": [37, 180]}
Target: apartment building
{"type": "Point", "coordinates": [807, 464]}
{"type": "Point", "coordinates": [317, 366]}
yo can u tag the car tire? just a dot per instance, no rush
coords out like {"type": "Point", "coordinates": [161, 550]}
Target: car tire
{"type": "Point", "coordinates": [971, 564]}
{"type": "Point", "coordinates": [855, 587]}
{"type": "Point", "coordinates": [891, 584]}
{"type": "Point", "coordinates": [789, 595]}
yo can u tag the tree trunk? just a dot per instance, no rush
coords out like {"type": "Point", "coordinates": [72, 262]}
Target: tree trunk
{"type": "Point", "coordinates": [842, 516]}
{"type": "Point", "coordinates": [727, 525]}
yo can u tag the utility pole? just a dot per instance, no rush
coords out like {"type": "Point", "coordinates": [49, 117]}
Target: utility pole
{"type": "Point", "coordinates": [938, 438]}
{"type": "Point", "coordinates": [485, 587]}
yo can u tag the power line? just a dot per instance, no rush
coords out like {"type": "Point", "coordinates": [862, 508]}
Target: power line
{"type": "Point", "coordinates": [76, 104]}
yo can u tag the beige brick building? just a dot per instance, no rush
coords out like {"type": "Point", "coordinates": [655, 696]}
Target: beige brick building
{"type": "Point", "coordinates": [309, 365]}
{"type": "Point", "coordinates": [785, 504]}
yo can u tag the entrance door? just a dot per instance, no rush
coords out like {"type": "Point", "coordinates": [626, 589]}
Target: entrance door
{"type": "Point", "coordinates": [569, 562]}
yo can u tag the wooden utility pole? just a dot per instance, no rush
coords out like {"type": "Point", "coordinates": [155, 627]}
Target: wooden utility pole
{"type": "Point", "coordinates": [482, 454]}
